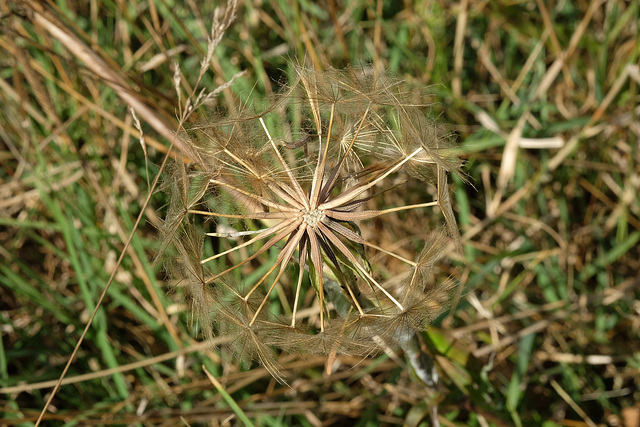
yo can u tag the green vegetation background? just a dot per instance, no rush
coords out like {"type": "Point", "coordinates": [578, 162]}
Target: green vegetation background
{"type": "Point", "coordinates": [543, 99]}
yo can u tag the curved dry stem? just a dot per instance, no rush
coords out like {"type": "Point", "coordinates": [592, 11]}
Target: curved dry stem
{"type": "Point", "coordinates": [296, 185]}
{"type": "Point", "coordinates": [354, 237]}
{"type": "Point", "coordinates": [254, 215]}
{"type": "Point", "coordinates": [336, 170]}
{"type": "Point", "coordinates": [358, 216]}
{"type": "Point", "coordinates": [263, 200]}
{"type": "Point", "coordinates": [275, 239]}
{"type": "Point", "coordinates": [266, 233]}
{"type": "Point", "coordinates": [316, 258]}
{"type": "Point", "coordinates": [302, 261]}
{"type": "Point", "coordinates": [322, 160]}
{"type": "Point", "coordinates": [354, 192]}
{"type": "Point", "coordinates": [347, 253]}
{"type": "Point", "coordinates": [283, 259]}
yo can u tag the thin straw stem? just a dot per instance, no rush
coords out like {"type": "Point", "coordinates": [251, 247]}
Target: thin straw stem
{"type": "Point", "coordinates": [354, 192]}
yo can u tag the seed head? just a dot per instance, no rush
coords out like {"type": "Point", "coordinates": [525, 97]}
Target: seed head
{"type": "Point", "coordinates": [289, 186]}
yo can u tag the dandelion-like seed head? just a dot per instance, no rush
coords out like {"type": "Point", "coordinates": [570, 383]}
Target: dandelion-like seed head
{"type": "Point", "coordinates": [289, 186]}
